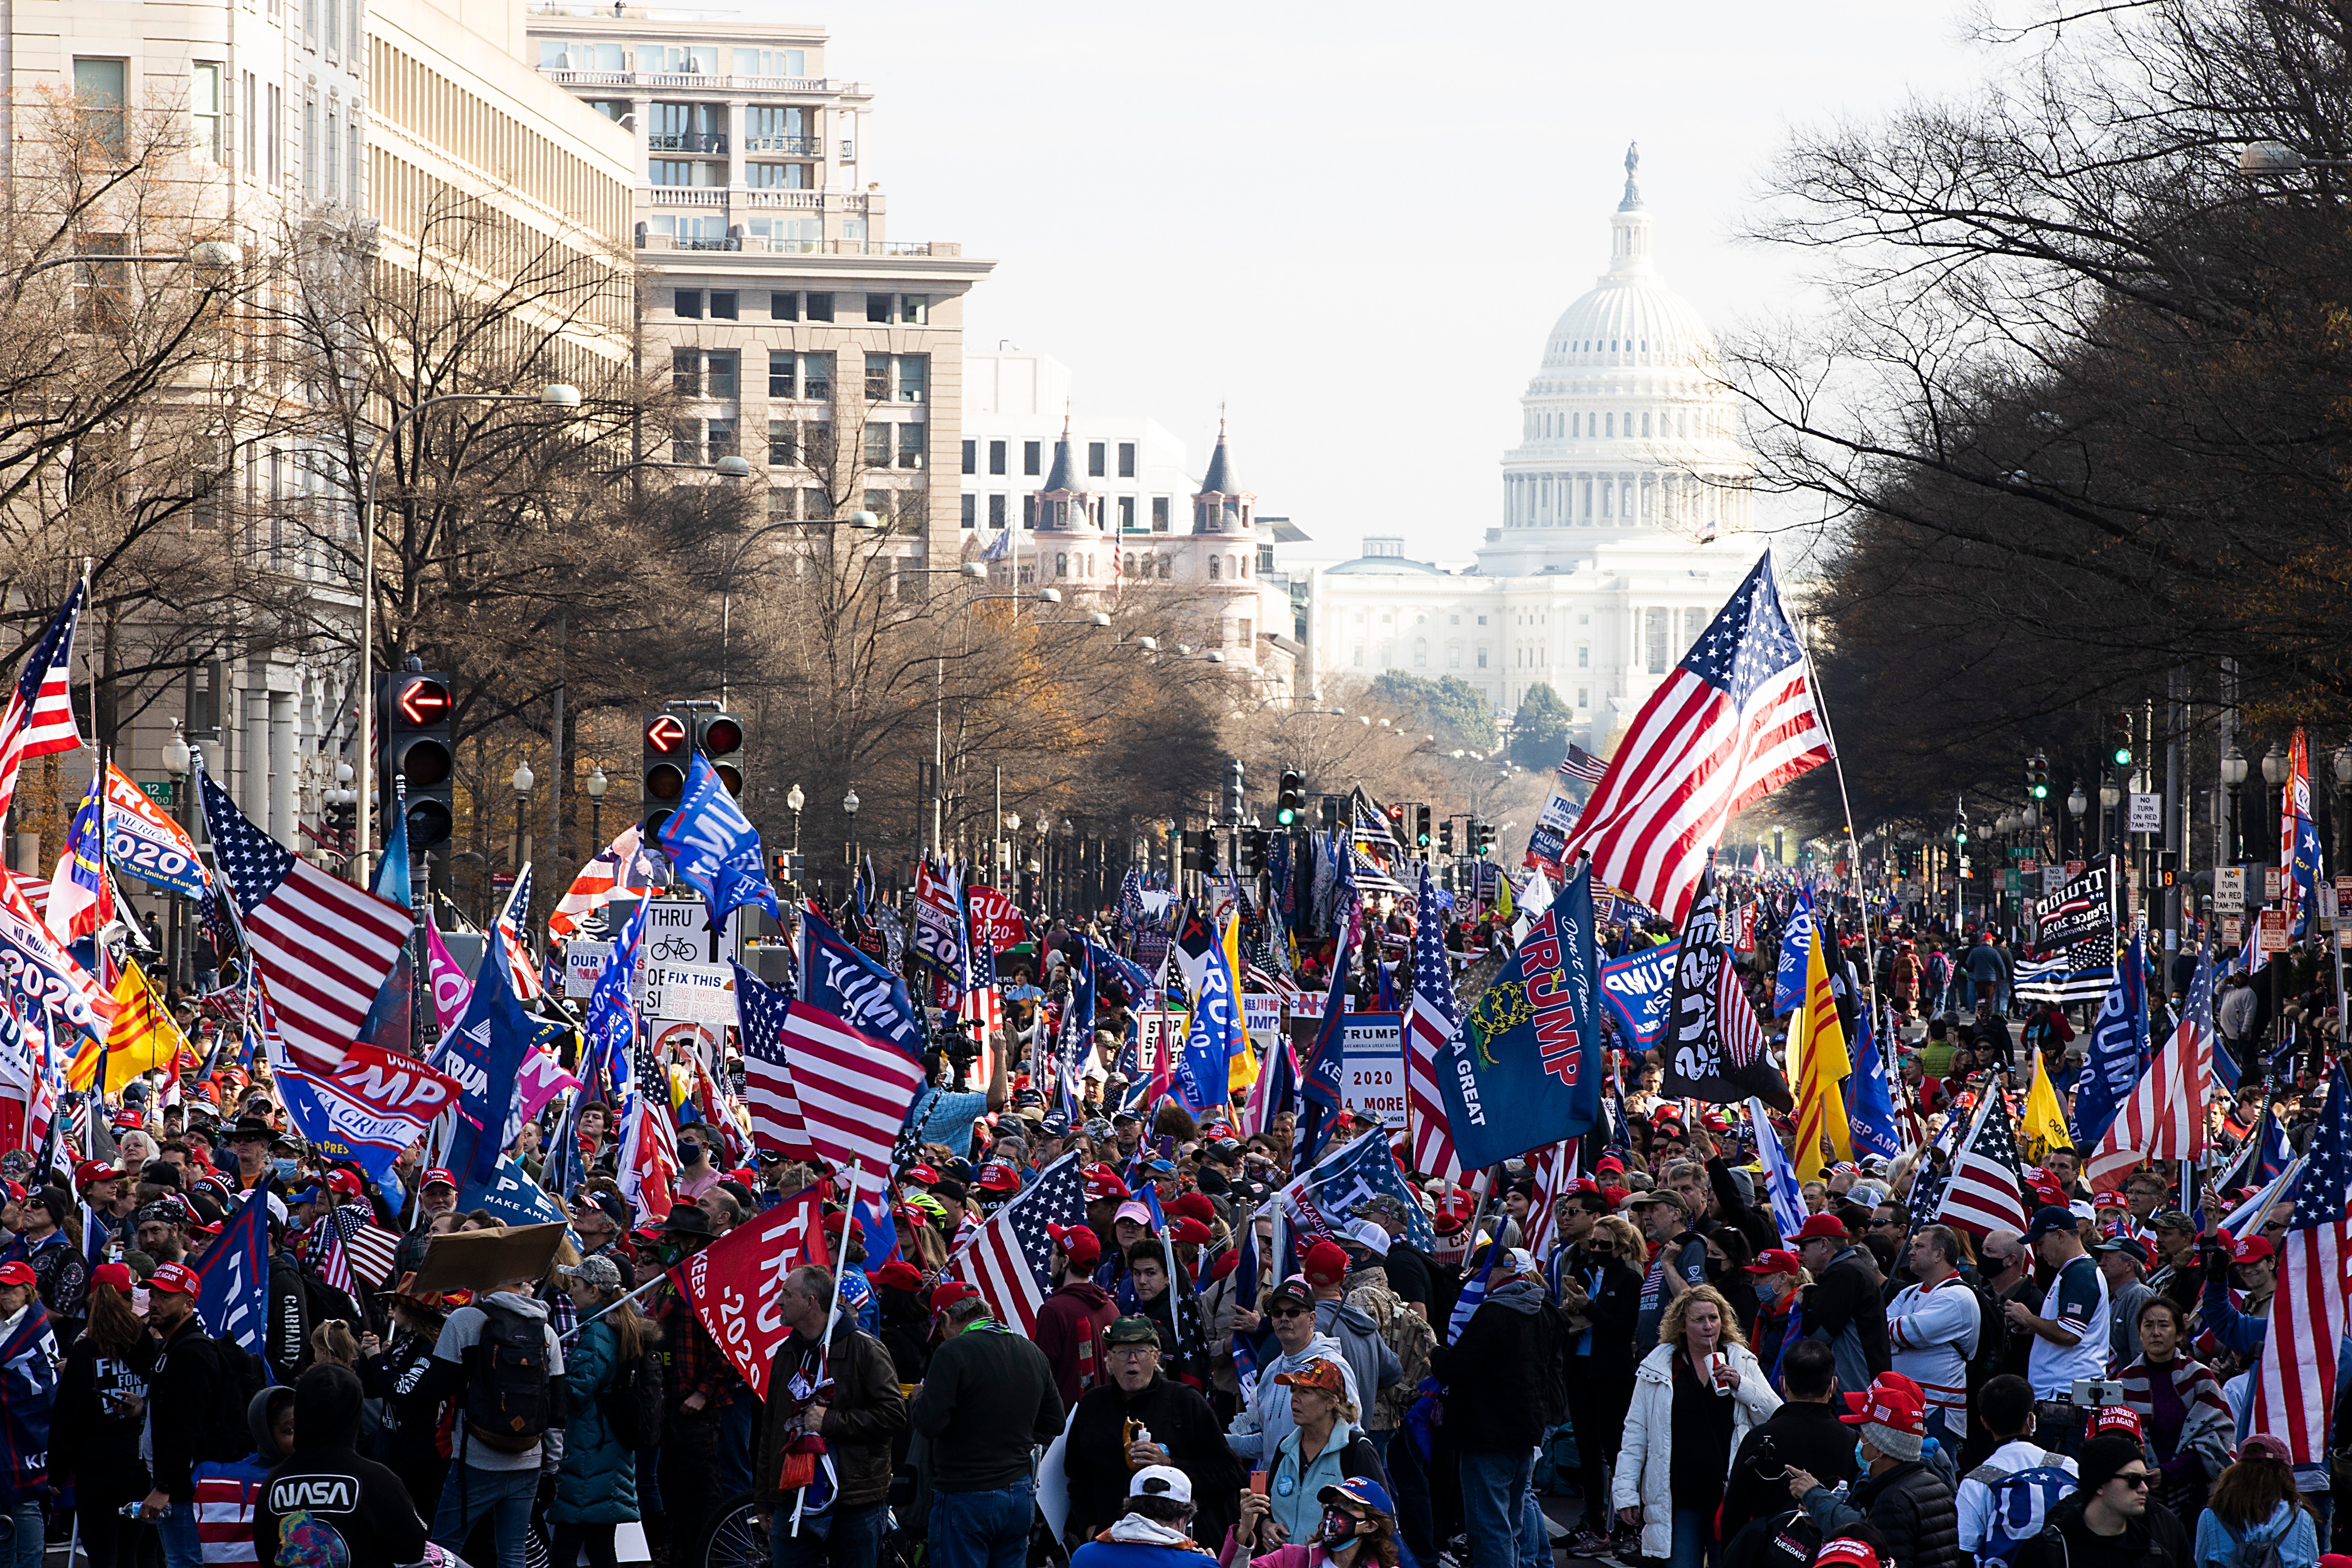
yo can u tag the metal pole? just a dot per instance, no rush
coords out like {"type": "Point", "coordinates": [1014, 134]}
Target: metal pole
{"type": "Point", "coordinates": [2175, 817]}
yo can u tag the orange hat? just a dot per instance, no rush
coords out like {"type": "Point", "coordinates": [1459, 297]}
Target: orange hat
{"type": "Point", "coordinates": [1317, 1374]}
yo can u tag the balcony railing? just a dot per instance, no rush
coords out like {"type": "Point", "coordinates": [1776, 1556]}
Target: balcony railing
{"type": "Point", "coordinates": [710, 141]}
{"type": "Point", "coordinates": [795, 146]}
{"type": "Point", "coordinates": [688, 196]}
{"type": "Point", "coordinates": [713, 80]}
{"type": "Point", "coordinates": [761, 244]}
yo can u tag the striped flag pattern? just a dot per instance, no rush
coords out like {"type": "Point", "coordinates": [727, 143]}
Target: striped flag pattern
{"type": "Point", "coordinates": [521, 971]}
{"type": "Point", "coordinates": [368, 1249]}
{"type": "Point", "coordinates": [854, 1090]}
{"type": "Point", "coordinates": [1735, 720]}
{"type": "Point", "coordinates": [1983, 1195]}
{"type": "Point", "coordinates": [1010, 1260]}
{"type": "Point", "coordinates": [620, 868]}
{"type": "Point", "coordinates": [2295, 1381]}
{"type": "Point", "coordinates": [40, 718]}
{"type": "Point", "coordinates": [1582, 764]}
{"type": "Point", "coordinates": [768, 1089]}
{"type": "Point", "coordinates": [322, 948]}
{"type": "Point", "coordinates": [1434, 1016]}
{"type": "Point", "coordinates": [2165, 1117]}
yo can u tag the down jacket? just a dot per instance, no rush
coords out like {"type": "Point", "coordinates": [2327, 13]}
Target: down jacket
{"type": "Point", "coordinates": [1645, 1460]}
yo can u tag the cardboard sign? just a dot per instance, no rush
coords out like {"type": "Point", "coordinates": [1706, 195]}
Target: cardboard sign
{"type": "Point", "coordinates": [1373, 1067]}
{"type": "Point", "coordinates": [1156, 1031]}
{"type": "Point", "coordinates": [691, 994]}
{"type": "Point", "coordinates": [2229, 890]}
{"type": "Point", "coordinates": [582, 962]}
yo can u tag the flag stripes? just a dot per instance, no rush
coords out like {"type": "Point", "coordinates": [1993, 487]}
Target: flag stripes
{"type": "Point", "coordinates": [1983, 1195]}
{"type": "Point", "coordinates": [854, 1091]}
{"type": "Point", "coordinates": [1010, 1260]}
{"type": "Point", "coordinates": [2294, 1382]}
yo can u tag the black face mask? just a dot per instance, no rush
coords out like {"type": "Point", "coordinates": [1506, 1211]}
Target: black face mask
{"type": "Point", "coordinates": [689, 1153]}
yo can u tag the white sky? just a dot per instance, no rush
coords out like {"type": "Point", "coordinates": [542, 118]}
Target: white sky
{"type": "Point", "coordinates": [1355, 224]}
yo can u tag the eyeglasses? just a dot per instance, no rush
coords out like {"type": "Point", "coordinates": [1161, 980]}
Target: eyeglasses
{"type": "Point", "coordinates": [1290, 1312]}
{"type": "Point", "coordinates": [2136, 1480]}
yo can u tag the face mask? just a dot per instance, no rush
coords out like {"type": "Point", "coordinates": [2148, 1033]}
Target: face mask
{"type": "Point", "coordinates": [1338, 1527]}
{"type": "Point", "coordinates": [690, 1153]}
{"type": "Point", "coordinates": [1861, 1455]}
{"type": "Point", "coordinates": [285, 1169]}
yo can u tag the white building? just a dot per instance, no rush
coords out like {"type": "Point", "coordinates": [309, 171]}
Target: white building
{"type": "Point", "coordinates": [1103, 504]}
{"type": "Point", "coordinates": [1627, 518]}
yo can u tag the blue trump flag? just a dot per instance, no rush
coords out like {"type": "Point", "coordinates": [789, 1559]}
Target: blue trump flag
{"type": "Point", "coordinates": [1323, 1074]}
{"type": "Point", "coordinates": [1214, 1036]}
{"type": "Point", "coordinates": [1796, 940]}
{"type": "Point", "coordinates": [511, 1197]}
{"type": "Point", "coordinates": [863, 992]}
{"type": "Point", "coordinates": [1525, 1067]}
{"type": "Point", "coordinates": [233, 1280]}
{"type": "Point", "coordinates": [485, 1053]}
{"type": "Point", "coordinates": [1328, 1195]}
{"type": "Point", "coordinates": [1637, 988]}
{"type": "Point", "coordinates": [1869, 1103]}
{"type": "Point", "coordinates": [714, 847]}
{"type": "Point", "coordinates": [2118, 1053]}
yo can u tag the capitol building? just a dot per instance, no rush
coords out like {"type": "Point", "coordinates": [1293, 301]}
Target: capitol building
{"type": "Point", "coordinates": [1626, 520]}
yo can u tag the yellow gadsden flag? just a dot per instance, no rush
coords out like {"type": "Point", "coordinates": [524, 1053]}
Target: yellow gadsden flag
{"type": "Point", "coordinates": [1820, 1069]}
{"type": "Point", "coordinates": [142, 1036]}
{"type": "Point", "coordinates": [2044, 1126]}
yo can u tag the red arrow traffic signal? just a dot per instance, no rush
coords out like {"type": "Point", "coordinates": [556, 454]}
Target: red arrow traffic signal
{"type": "Point", "coordinates": [666, 734]}
{"type": "Point", "coordinates": [425, 702]}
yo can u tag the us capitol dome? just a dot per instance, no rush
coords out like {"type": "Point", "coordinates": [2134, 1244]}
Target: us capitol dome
{"type": "Point", "coordinates": [1627, 518]}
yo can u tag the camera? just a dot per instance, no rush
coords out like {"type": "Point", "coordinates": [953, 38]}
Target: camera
{"type": "Point", "coordinates": [955, 1042]}
{"type": "Point", "coordinates": [2096, 1392]}
{"type": "Point", "coordinates": [1768, 1467]}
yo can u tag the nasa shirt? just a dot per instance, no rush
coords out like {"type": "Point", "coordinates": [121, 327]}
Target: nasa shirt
{"type": "Point", "coordinates": [329, 1508]}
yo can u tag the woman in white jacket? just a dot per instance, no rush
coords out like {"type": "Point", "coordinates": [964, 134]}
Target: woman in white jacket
{"type": "Point", "coordinates": [1702, 1369]}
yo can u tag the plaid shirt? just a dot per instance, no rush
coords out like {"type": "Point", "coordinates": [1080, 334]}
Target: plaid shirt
{"type": "Point", "coordinates": [692, 1362]}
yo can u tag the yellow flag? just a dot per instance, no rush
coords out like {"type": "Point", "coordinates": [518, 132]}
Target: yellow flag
{"type": "Point", "coordinates": [1819, 1069]}
{"type": "Point", "coordinates": [2044, 1126]}
{"type": "Point", "coordinates": [1240, 1071]}
{"type": "Point", "coordinates": [142, 1036]}
{"type": "Point", "coordinates": [1505, 909]}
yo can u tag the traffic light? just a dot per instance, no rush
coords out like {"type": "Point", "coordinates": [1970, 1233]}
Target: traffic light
{"type": "Point", "coordinates": [1236, 793]}
{"type": "Point", "coordinates": [1257, 844]}
{"type": "Point", "coordinates": [1482, 838]}
{"type": "Point", "coordinates": [720, 738]}
{"type": "Point", "coordinates": [1445, 836]}
{"type": "Point", "coordinates": [2037, 777]}
{"type": "Point", "coordinates": [2123, 751]}
{"type": "Point", "coordinates": [668, 741]}
{"type": "Point", "coordinates": [1200, 850]}
{"type": "Point", "coordinates": [417, 713]}
{"type": "Point", "coordinates": [1421, 826]}
{"type": "Point", "coordinates": [1290, 803]}
{"type": "Point", "coordinates": [1331, 812]}
{"type": "Point", "coordinates": [1397, 828]}
{"type": "Point", "coordinates": [787, 863]}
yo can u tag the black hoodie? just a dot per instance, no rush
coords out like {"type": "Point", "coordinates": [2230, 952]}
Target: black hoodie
{"type": "Point", "coordinates": [324, 1487]}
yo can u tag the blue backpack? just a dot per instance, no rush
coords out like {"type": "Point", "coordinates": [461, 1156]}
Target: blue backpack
{"type": "Point", "coordinates": [2020, 1507]}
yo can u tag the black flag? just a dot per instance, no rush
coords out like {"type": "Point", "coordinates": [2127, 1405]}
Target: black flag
{"type": "Point", "coordinates": [1714, 1047]}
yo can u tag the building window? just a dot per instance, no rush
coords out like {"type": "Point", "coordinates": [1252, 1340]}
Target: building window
{"type": "Point", "coordinates": [1167, 564]}
{"type": "Point", "coordinates": [783, 305]}
{"type": "Point", "coordinates": [910, 445]}
{"type": "Point", "coordinates": [1584, 697]}
{"type": "Point", "coordinates": [1420, 653]}
{"type": "Point", "coordinates": [1160, 512]}
{"type": "Point", "coordinates": [686, 304]}
{"type": "Point", "coordinates": [1126, 514]}
{"type": "Point", "coordinates": [820, 306]}
{"type": "Point", "coordinates": [996, 512]}
{"type": "Point", "coordinates": [914, 309]}
{"type": "Point", "coordinates": [970, 511]}
{"type": "Point", "coordinates": [1061, 564]}
{"type": "Point", "coordinates": [686, 372]}
{"type": "Point", "coordinates": [877, 378]}
{"type": "Point", "coordinates": [685, 441]}
{"type": "Point", "coordinates": [1094, 459]}
{"type": "Point", "coordinates": [877, 445]}
{"type": "Point", "coordinates": [772, 62]}
{"type": "Point", "coordinates": [1654, 634]}
{"type": "Point", "coordinates": [913, 374]}
{"type": "Point", "coordinates": [725, 305]}
{"type": "Point", "coordinates": [782, 381]}
{"type": "Point", "coordinates": [816, 378]}
{"type": "Point", "coordinates": [1033, 457]}
{"type": "Point", "coordinates": [1584, 656]}
{"type": "Point", "coordinates": [972, 457]}
{"type": "Point", "coordinates": [101, 88]}
{"type": "Point", "coordinates": [1693, 622]}
{"type": "Point", "coordinates": [1029, 511]}
{"type": "Point", "coordinates": [206, 142]}
{"type": "Point", "coordinates": [1265, 559]}
{"type": "Point", "coordinates": [1482, 655]}
{"type": "Point", "coordinates": [1454, 655]}
{"type": "Point", "coordinates": [1127, 459]}
{"type": "Point", "coordinates": [877, 309]}
{"type": "Point", "coordinates": [1355, 655]}
{"type": "Point", "coordinates": [996, 456]}
{"type": "Point", "coordinates": [719, 377]}
{"type": "Point", "coordinates": [783, 451]}
{"type": "Point", "coordinates": [1214, 562]}
{"type": "Point", "coordinates": [722, 442]}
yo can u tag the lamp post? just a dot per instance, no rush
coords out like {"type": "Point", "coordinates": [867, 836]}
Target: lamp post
{"type": "Point", "coordinates": [2233, 778]}
{"type": "Point", "coordinates": [596, 786]}
{"type": "Point", "coordinates": [2274, 767]}
{"type": "Point", "coordinates": [849, 844]}
{"type": "Point", "coordinates": [177, 759]}
{"type": "Point", "coordinates": [2076, 805]}
{"type": "Point", "coordinates": [2111, 796]}
{"type": "Point", "coordinates": [522, 780]}
{"type": "Point", "coordinates": [794, 801]}
{"type": "Point", "coordinates": [865, 521]}
{"type": "Point", "coordinates": [554, 395]}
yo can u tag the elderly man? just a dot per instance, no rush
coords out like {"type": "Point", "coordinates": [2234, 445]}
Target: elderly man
{"type": "Point", "coordinates": [2123, 1263]}
{"type": "Point", "coordinates": [1908, 1503]}
{"type": "Point", "coordinates": [845, 1391]}
{"type": "Point", "coordinates": [1678, 1263]}
{"type": "Point", "coordinates": [1842, 1305]}
{"type": "Point", "coordinates": [435, 1194]}
{"type": "Point", "coordinates": [1173, 1426]}
{"type": "Point", "coordinates": [603, 1223]}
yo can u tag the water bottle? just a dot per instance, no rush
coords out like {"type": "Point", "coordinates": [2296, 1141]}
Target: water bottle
{"type": "Point", "coordinates": [131, 1510]}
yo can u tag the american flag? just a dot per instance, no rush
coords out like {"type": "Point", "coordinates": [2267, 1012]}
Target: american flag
{"type": "Point", "coordinates": [40, 718]}
{"type": "Point", "coordinates": [760, 1015]}
{"type": "Point", "coordinates": [854, 1090]}
{"type": "Point", "coordinates": [2296, 1382]}
{"type": "Point", "coordinates": [2164, 1119]}
{"type": "Point", "coordinates": [322, 948]}
{"type": "Point", "coordinates": [1010, 1260]}
{"type": "Point", "coordinates": [1582, 764]}
{"type": "Point", "coordinates": [352, 1247]}
{"type": "Point", "coordinates": [620, 868]}
{"type": "Point", "coordinates": [1733, 722]}
{"type": "Point", "coordinates": [1983, 1195]}
{"type": "Point", "coordinates": [520, 970]}
{"type": "Point", "coordinates": [1429, 1025]}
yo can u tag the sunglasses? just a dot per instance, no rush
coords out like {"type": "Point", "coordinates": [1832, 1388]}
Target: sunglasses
{"type": "Point", "coordinates": [1290, 1312]}
{"type": "Point", "coordinates": [2136, 1480]}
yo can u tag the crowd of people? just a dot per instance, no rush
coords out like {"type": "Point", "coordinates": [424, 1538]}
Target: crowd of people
{"type": "Point", "coordinates": [1622, 1323]}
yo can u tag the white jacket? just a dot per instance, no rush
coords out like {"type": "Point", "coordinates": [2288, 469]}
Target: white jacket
{"type": "Point", "coordinates": [1643, 1475]}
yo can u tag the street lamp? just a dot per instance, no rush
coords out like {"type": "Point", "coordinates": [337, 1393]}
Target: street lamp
{"type": "Point", "coordinates": [554, 395]}
{"type": "Point", "coordinates": [597, 785]}
{"type": "Point", "coordinates": [177, 759]}
{"type": "Point", "coordinates": [794, 801]}
{"type": "Point", "coordinates": [858, 520]}
{"type": "Point", "coordinates": [2275, 768]}
{"type": "Point", "coordinates": [849, 845]}
{"type": "Point", "coordinates": [522, 780]}
{"type": "Point", "coordinates": [2234, 777]}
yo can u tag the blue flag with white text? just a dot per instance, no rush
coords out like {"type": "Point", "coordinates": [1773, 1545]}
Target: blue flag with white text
{"type": "Point", "coordinates": [713, 846]}
{"type": "Point", "coordinates": [233, 1280]}
{"type": "Point", "coordinates": [1796, 942]}
{"type": "Point", "coordinates": [1870, 1101]}
{"type": "Point", "coordinates": [2117, 1055]}
{"type": "Point", "coordinates": [846, 982]}
{"type": "Point", "coordinates": [485, 1053]}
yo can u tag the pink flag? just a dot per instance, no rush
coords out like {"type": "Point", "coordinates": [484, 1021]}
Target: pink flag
{"type": "Point", "coordinates": [450, 987]}
{"type": "Point", "coordinates": [543, 1079]}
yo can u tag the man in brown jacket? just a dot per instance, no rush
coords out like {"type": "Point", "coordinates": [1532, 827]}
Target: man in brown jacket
{"type": "Point", "coordinates": [847, 1395]}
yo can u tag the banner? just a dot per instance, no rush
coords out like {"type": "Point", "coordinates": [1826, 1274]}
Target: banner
{"type": "Point", "coordinates": [375, 1104]}
{"type": "Point", "coordinates": [483, 1053]}
{"type": "Point", "coordinates": [1325, 1199]}
{"type": "Point", "coordinates": [233, 1280]}
{"type": "Point", "coordinates": [1636, 987]}
{"type": "Point", "coordinates": [2077, 923]}
{"type": "Point", "coordinates": [1525, 1069]}
{"type": "Point", "coordinates": [713, 846]}
{"type": "Point", "coordinates": [844, 981]}
{"type": "Point", "coordinates": [995, 920]}
{"type": "Point", "coordinates": [1550, 835]}
{"type": "Point", "coordinates": [1372, 1058]}
{"type": "Point", "coordinates": [732, 1283]}
{"type": "Point", "coordinates": [1714, 1047]}
{"type": "Point", "coordinates": [511, 1197]}
{"type": "Point", "coordinates": [939, 925]}
{"type": "Point", "coordinates": [141, 839]}
{"type": "Point", "coordinates": [1796, 940]}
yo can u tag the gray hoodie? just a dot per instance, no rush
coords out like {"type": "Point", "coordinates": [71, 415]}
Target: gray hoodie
{"type": "Point", "coordinates": [1375, 1366]}
{"type": "Point", "coordinates": [1264, 1420]}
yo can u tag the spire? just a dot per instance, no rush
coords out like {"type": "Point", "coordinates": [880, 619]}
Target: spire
{"type": "Point", "coordinates": [1065, 474]}
{"type": "Point", "coordinates": [1632, 202]}
{"type": "Point", "coordinates": [1220, 479]}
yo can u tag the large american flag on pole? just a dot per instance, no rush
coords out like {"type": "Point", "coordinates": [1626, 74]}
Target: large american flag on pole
{"type": "Point", "coordinates": [1735, 719]}
{"type": "Point", "coordinates": [768, 1088]}
{"type": "Point", "coordinates": [1431, 1023]}
{"type": "Point", "coordinates": [854, 1090]}
{"type": "Point", "coordinates": [321, 947]}
{"type": "Point", "coordinates": [1983, 1195]}
{"type": "Point", "coordinates": [2294, 1384]}
{"type": "Point", "coordinates": [2164, 1117]}
{"type": "Point", "coordinates": [520, 970]}
{"type": "Point", "coordinates": [40, 718]}
{"type": "Point", "coordinates": [1010, 1260]}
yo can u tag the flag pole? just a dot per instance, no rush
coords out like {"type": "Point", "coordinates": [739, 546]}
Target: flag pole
{"type": "Point", "coordinates": [1854, 848]}
{"type": "Point", "coordinates": [824, 1354]}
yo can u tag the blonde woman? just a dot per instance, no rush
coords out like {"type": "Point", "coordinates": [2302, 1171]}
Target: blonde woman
{"type": "Point", "coordinates": [1701, 1384]}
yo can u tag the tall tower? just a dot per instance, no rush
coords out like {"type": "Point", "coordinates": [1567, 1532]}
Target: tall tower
{"type": "Point", "coordinates": [1221, 505]}
{"type": "Point", "coordinates": [1063, 504]}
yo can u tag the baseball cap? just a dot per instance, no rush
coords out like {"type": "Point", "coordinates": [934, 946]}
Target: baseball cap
{"type": "Point", "coordinates": [1131, 1330]}
{"type": "Point", "coordinates": [921, 1176]}
{"type": "Point", "coordinates": [1845, 1552]}
{"type": "Point", "coordinates": [1159, 1480]}
{"type": "Point", "coordinates": [1361, 1491]}
{"type": "Point", "coordinates": [948, 1292]}
{"type": "Point", "coordinates": [897, 1275]}
{"type": "Point", "coordinates": [1888, 1401]}
{"type": "Point", "coordinates": [1132, 1210]}
{"type": "Point", "coordinates": [177, 1279]}
{"type": "Point", "coordinates": [436, 1177]}
{"type": "Point", "coordinates": [1316, 1374]}
{"type": "Point", "coordinates": [1326, 1263]}
{"type": "Point", "coordinates": [1189, 1229]}
{"type": "Point", "coordinates": [1822, 1226]}
{"type": "Point", "coordinates": [2109, 1200]}
{"type": "Point", "coordinates": [2120, 1418]}
{"type": "Point", "coordinates": [1102, 1182]}
{"type": "Point", "coordinates": [2250, 1249]}
{"type": "Point", "coordinates": [2262, 1443]}
{"type": "Point", "coordinates": [115, 1274]}
{"type": "Point", "coordinates": [600, 1273]}
{"type": "Point", "coordinates": [1082, 1244]}
{"type": "Point", "coordinates": [2171, 1219]}
{"type": "Point", "coordinates": [2131, 1247]}
{"type": "Point", "coordinates": [1294, 1289]}
{"type": "Point", "coordinates": [90, 1170]}
{"type": "Point", "coordinates": [17, 1274]}
{"type": "Point", "coordinates": [1193, 1206]}
{"type": "Point", "coordinates": [1774, 1261]}
{"type": "Point", "coordinates": [2048, 1219]}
